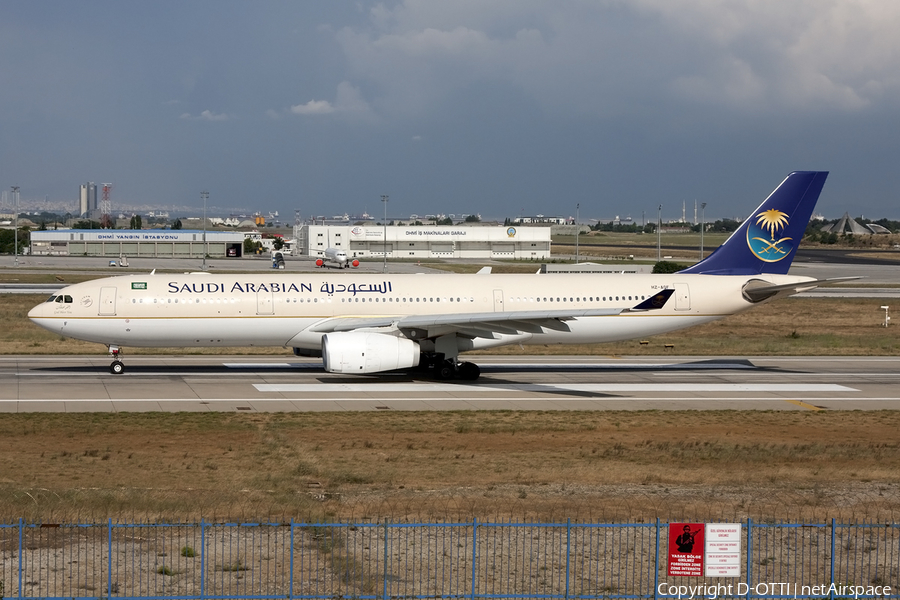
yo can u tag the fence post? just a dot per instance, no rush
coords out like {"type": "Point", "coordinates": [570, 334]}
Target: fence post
{"type": "Point", "coordinates": [749, 553]}
{"type": "Point", "coordinates": [20, 557]}
{"type": "Point", "coordinates": [384, 594]}
{"type": "Point", "coordinates": [568, 546]}
{"type": "Point", "coordinates": [202, 558]}
{"type": "Point", "coordinates": [109, 561]}
{"type": "Point", "coordinates": [656, 565]}
{"type": "Point", "coordinates": [474, 553]}
{"type": "Point", "coordinates": [831, 593]}
{"type": "Point", "coordinates": [291, 559]}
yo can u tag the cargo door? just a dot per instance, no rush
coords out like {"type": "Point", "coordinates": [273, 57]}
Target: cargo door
{"type": "Point", "coordinates": [107, 302]}
{"type": "Point", "coordinates": [265, 304]}
{"type": "Point", "coordinates": [498, 300]}
{"type": "Point", "coordinates": [682, 297]}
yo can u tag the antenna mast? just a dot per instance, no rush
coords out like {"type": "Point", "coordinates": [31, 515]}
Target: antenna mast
{"type": "Point", "coordinates": [106, 221]}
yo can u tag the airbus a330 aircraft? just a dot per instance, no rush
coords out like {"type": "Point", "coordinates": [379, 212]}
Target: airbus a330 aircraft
{"type": "Point", "coordinates": [371, 323]}
{"type": "Point", "coordinates": [336, 256]}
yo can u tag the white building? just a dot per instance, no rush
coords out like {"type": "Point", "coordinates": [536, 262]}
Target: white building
{"type": "Point", "coordinates": [415, 242]}
{"type": "Point", "coordinates": [158, 243]}
{"type": "Point", "coordinates": [540, 219]}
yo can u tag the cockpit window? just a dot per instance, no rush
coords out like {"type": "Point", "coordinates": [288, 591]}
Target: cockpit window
{"type": "Point", "coordinates": [61, 299]}
{"type": "Point", "coordinates": [51, 299]}
{"type": "Point", "coordinates": [68, 299]}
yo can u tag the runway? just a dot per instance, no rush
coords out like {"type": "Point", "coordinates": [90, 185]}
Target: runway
{"type": "Point", "coordinates": [275, 384]}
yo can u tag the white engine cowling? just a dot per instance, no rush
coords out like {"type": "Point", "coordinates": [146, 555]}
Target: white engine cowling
{"type": "Point", "coordinates": [362, 352]}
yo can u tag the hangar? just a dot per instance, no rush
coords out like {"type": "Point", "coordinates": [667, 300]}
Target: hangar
{"type": "Point", "coordinates": [157, 243]}
{"type": "Point", "coordinates": [418, 242]}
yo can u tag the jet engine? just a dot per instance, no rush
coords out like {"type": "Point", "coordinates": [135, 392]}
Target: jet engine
{"type": "Point", "coordinates": [364, 352]}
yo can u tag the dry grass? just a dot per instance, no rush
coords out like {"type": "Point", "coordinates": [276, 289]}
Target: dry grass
{"type": "Point", "coordinates": [529, 465]}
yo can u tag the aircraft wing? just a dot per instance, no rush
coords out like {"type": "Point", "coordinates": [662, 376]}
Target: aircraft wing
{"type": "Point", "coordinates": [488, 323]}
{"type": "Point", "coordinates": [757, 290]}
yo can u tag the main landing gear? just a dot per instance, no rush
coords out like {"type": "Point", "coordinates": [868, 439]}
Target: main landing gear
{"type": "Point", "coordinates": [116, 367]}
{"type": "Point", "coordinates": [448, 369]}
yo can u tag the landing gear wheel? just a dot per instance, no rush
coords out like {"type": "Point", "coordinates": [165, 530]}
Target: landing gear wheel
{"type": "Point", "coordinates": [445, 370]}
{"type": "Point", "coordinates": [117, 367]}
{"type": "Point", "coordinates": [468, 371]}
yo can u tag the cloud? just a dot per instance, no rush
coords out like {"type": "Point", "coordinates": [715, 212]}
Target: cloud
{"type": "Point", "coordinates": [206, 115]}
{"type": "Point", "coordinates": [348, 101]}
{"type": "Point", "coordinates": [607, 58]}
{"type": "Point", "coordinates": [313, 107]}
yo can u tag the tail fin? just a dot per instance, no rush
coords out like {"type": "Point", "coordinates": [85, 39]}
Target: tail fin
{"type": "Point", "coordinates": [767, 240]}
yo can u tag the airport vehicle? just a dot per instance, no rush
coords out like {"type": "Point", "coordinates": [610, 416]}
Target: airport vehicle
{"type": "Point", "coordinates": [362, 323]}
{"type": "Point", "coordinates": [334, 256]}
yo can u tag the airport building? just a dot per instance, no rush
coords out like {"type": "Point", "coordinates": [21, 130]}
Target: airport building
{"type": "Point", "coordinates": [157, 243]}
{"type": "Point", "coordinates": [421, 242]}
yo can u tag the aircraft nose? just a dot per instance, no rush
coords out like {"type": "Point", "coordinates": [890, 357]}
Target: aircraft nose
{"type": "Point", "coordinates": [37, 312]}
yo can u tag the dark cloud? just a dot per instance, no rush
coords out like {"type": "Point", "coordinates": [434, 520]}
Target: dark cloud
{"type": "Point", "coordinates": [498, 108]}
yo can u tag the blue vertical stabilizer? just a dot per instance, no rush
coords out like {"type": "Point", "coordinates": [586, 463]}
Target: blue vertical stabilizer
{"type": "Point", "coordinates": [768, 239]}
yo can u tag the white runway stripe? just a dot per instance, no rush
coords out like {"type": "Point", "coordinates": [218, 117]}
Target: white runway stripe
{"type": "Point", "coordinates": [379, 388]}
{"type": "Point", "coordinates": [695, 365]}
{"type": "Point", "coordinates": [263, 403]}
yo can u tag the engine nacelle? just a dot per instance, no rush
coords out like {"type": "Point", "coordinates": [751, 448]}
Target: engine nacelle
{"type": "Point", "coordinates": [363, 352]}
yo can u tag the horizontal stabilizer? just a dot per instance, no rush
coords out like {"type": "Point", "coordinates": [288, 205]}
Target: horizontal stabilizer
{"type": "Point", "coordinates": [757, 290]}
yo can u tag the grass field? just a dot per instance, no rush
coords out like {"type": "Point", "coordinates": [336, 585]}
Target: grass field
{"type": "Point", "coordinates": [523, 465]}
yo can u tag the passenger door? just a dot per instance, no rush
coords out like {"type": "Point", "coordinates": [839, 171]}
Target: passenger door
{"type": "Point", "coordinates": [107, 306]}
{"type": "Point", "coordinates": [682, 297]}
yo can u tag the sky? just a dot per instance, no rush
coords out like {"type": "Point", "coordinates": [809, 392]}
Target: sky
{"type": "Point", "coordinates": [502, 108]}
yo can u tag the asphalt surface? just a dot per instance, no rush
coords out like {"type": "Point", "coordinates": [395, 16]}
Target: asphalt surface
{"type": "Point", "coordinates": [274, 384]}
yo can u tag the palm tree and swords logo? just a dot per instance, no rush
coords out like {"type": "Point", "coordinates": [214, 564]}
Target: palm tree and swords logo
{"type": "Point", "coordinates": [766, 247]}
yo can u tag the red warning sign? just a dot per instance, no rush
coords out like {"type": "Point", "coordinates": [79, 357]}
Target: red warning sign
{"type": "Point", "coordinates": [686, 549]}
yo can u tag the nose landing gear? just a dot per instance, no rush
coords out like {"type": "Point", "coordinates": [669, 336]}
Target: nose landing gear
{"type": "Point", "coordinates": [116, 367]}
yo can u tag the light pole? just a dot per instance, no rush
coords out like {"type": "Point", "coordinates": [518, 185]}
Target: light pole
{"type": "Point", "coordinates": [205, 196]}
{"type": "Point", "coordinates": [15, 190]}
{"type": "Point", "coordinates": [384, 200]}
{"type": "Point", "coordinates": [577, 231]}
{"type": "Point", "coordinates": [702, 227]}
{"type": "Point", "coordinates": [658, 232]}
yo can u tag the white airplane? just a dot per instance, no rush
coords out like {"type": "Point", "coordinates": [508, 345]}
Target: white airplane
{"type": "Point", "coordinates": [338, 257]}
{"type": "Point", "coordinates": [372, 323]}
